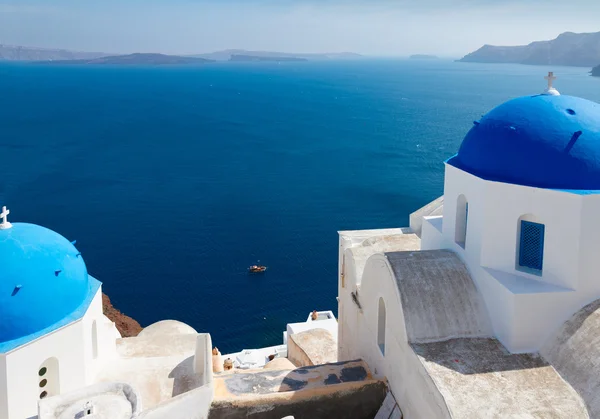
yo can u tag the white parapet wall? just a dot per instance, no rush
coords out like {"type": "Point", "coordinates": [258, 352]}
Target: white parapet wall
{"type": "Point", "coordinates": [203, 357]}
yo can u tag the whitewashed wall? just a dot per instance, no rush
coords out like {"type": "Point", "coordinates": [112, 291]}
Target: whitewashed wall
{"type": "Point", "coordinates": [106, 336]}
{"type": "Point", "coordinates": [3, 388]}
{"type": "Point", "coordinates": [408, 380]}
{"type": "Point", "coordinates": [72, 348]}
{"type": "Point", "coordinates": [525, 307]}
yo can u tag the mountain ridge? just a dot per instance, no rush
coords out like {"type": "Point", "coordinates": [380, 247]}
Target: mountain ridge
{"type": "Point", "coordinates": [24, 53]}
{"type": "Point", "coordinates": [134, 59]}
{"type": "Point", "coordinates": [568, 49]}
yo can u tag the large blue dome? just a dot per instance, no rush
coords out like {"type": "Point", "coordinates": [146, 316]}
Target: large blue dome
{"type": "Point", "coordinates": [541, 141]}
{"type": "Point", "coordinates": [43, 280]}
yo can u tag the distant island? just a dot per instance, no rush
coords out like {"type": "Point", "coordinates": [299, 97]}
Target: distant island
{"type": "Point", "coordinates": [227, 55]}
{"type": "Point", "coordinates": [423, 57]}
{"type": "Point", "coordinates": [135, 59]}
{"type": "Point", "coordinates": [569, 49]}
{"type": "Point", "coordinates": [240, 57]}
{"type": "Point", "coordinates": [20, 53]}
{"type": "Point", "coordinates": [596, 71]}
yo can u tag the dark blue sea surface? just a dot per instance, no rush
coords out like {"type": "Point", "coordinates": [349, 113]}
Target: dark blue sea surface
{"type": "Point", "coordinates": [174, 179]}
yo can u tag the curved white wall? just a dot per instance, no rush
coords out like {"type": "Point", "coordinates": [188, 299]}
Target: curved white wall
{"type": "Point", "coordinates": [408, 380]}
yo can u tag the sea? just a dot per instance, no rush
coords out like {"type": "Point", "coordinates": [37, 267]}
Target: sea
{"type": "Point", "coordinates": [173, 180]}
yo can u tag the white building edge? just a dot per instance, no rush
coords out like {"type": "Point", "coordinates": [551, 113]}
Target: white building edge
{"type": "Point", "coordinates": [487, 305]}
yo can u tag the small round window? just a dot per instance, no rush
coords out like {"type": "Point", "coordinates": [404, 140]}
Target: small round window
{"type": "Point", "coordinates": [42, 371]}
{"type": "Point", "coordinates": [43, 383]}
{"type": "Point", "coordinates": [43, 394]}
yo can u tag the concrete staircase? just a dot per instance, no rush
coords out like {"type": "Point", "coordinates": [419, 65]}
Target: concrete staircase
{"type": "Point", "coordinates": [389, 408]}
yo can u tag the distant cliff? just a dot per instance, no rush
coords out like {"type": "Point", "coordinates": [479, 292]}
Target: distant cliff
{"type": "Point", "coordinates": [596, 71]}
{"type": "Point", "coordinates": [237, 57]}
{"type": "Point", "coordinates": [226, 55]}
{"type": "Point", "coordinates": [127, 326]}
{"type": "Point", "coordinates": [569, 49]}
{"type": "Point", "coordinates": [136, 59]}
{"type": "Point", "coordinates": [18, 53]}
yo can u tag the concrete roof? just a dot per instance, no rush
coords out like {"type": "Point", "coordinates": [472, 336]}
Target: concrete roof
{"type": "Point", "coordinates": [318, 345]}
{"type": "Point", "coordinates": [439, 299]}
{"type": "Point", "coordinates": [479, 378]}
{"type": "Point", "coordinates": [381, 244]}
{"type": "Point", "coordinates": [159, 367]}
{"type": "Point", "coordinates": [339, 390]}
{"type": "Point", "coordinates": [166, 327]}
{"type": "Point", "coordinates": [262, 382]}
{"type": "Point", "coordinates": [575, 353]}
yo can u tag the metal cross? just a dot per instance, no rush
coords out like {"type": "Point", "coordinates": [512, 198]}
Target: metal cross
{"type": "Point", "coordinates": [550, 77]}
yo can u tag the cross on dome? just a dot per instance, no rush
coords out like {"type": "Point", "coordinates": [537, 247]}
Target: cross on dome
{"type": "Point", "coordinates": [550, 77]}
{"type": "Point", "coordinates": [4, 217]}
{"type": "Point", "coordinates": [550, 90]}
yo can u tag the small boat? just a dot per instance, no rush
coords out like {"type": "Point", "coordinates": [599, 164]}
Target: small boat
{"type": "Point", "coordinates": [255, 269]}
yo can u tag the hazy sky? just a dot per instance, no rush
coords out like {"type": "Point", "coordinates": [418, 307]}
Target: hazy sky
{"type": "Point", "coordinates": [375, 27]}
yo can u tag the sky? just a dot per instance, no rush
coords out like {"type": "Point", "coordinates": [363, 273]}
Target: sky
{"type": "Point", "coordinates": [448, 28]}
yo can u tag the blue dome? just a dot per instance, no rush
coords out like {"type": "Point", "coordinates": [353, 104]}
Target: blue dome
{"type": "Point", "coordinates": [541, 141]}
{"type": "Point", "coordinates": [43, 280]}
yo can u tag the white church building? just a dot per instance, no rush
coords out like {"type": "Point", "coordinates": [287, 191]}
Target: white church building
{"type": "Point", "coordinates": [486, 306]}
{"type": "Point", "coordinates": [60, 357]}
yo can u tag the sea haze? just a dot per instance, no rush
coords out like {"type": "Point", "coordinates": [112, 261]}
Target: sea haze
{"type": "Point", "coordinates": [174, 179]}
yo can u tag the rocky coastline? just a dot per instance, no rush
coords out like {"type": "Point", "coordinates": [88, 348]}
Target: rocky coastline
{"type": "Point", "coordinates": [127, 326]}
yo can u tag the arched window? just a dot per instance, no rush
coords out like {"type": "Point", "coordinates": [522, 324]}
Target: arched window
{"type": "Point", "coordinates": [460, 226]}
{"type": "Point", "coordinates": [48, 384]}
{"type": "Point", "coordinates": [530, 245]}
{"type": "Point", "coordinates": [381, 326]}
{"type": "Point", "coordinates": [94, 340]}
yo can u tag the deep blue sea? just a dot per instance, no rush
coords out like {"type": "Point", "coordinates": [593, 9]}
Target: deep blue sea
{"type": "Point", "coordinates": [174, 179]}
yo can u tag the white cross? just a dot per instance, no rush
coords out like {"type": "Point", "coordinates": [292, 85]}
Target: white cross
{"type": "Point", "coordinates": [4, 217]}
{"type": "Point", "coordinates": [550, 77]}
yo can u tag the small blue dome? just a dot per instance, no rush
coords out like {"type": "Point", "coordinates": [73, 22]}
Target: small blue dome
{"type": "Point", "coordinates": [542, 141]}
{"type": "Point", "coordinates": [43, 279]}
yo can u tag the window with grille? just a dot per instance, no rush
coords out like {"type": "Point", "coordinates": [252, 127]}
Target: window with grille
{"type": "Point", "coordinates": [531, 246]}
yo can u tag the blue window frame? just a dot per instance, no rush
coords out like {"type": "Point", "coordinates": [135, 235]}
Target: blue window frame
{"type": "Point", "coordinates": [531, 246]}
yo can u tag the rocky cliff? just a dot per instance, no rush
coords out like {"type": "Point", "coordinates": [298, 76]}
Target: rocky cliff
{"type": "Point", "coordinates": [127, 326]}
{"type": "Point", "coordinates": [596, 71]}
{"type": "Point", "coordinates": [570, 49]}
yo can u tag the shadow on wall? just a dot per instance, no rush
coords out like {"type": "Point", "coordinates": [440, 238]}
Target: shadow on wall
{"type": "Point", "coordinates": [184, 378]}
